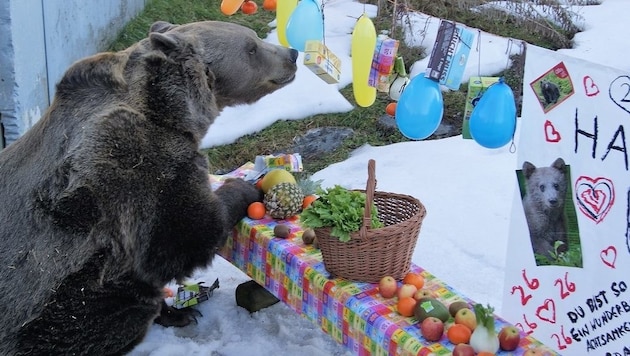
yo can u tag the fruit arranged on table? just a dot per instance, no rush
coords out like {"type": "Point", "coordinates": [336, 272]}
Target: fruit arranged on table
{"type": "Point", "coordinates": [455, 306]}
{"type": "Point", "coordinates": [283, 200]}
{"type": "Point", "coordinates": [256, 210]}
{"type": "Point", "coordinates": [308, 236]}
{"type": "Point", "coordinates": [415, 279]}
{"type": "Point", "coordinates": [423, 293]}
{"type": "Point", "coordinates": [282, 231]}
{"type": "Point", "coordinates": [463, 350]}
{"type": "Point", "coordinates": [432, 328]}
{"type": "Point", "coordinates": [405, 306]}
{"type": "Point", "coordinates": [458, 334]}
{"type": "Point", "coordinates": [387, 287]}
{"type": "Point", "coordinates": [457, 322]}
{"type": "Point", "coordinates": [431, 307]}
{"type": "Point", "coordinates": [276, 176]}
{"type": "Point", "coordinates": [509, 338]}
{"type": "Point", "coordinates": [406, 290]}
{"type": "Point", "coordinates": [466, 317]}
{"type": "Point", "coordinates": [308, 199]}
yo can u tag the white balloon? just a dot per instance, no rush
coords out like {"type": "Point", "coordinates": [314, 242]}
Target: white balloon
{"type": "Point", "coordinates": [396, 88]}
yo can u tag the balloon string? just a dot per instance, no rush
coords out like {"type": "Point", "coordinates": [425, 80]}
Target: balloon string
{"type": "Point", "coordinates": [508, 51]}
{"type": "Point", "coordinates": [394, 18]}
{"type": "Point", "coordinates": [479, 53]}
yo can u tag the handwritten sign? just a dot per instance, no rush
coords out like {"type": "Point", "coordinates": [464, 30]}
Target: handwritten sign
{"type": "Point", "coordinates": [568, 283]}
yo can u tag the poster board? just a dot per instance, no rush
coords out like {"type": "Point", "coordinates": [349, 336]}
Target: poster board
{"type": "Point", "coordinates": [572, 206]}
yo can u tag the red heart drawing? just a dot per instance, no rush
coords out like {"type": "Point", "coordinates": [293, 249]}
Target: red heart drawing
{"type": "Point", "coordinates": [547, 311]}
{"type": "Point", "coordinates": [609, 256]}
{"type": "Point", "coordinates": [551, 135]}
{"type": "Point", "coordinates": [590, 88]}
{"type": "Point", "coordinates": [595, 197]}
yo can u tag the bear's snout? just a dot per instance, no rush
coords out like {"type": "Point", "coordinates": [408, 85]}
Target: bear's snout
{"type": "Point", "coordinates": [293, 54]}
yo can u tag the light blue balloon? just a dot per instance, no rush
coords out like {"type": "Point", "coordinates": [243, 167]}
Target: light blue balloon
{"type": "Point", "coordinates": [420, 108]}
{"type": "Point", "coordinates": [493, 119]}
{"type": "Point", "coordinates": [305, 23]}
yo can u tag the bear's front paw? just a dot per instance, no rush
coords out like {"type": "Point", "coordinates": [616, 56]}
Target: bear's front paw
{"type": "Point", "coordinates": [247, 190]}
{"type": "Point", "coordinates": [170, 316]}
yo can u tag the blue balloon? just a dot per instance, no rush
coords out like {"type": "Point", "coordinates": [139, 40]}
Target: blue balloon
{"type": "Point", "coordinates": [305, 23]}
{"type": "Point", "coordinates": [493, 119]}
{"type": "Point", "coordinates": [420, 108]}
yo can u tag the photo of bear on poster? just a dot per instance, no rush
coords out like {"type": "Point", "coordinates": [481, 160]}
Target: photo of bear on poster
{"type": "Point", "coordinates": [569, 239]}
{"type": "Point", "coordinates": [550, 214]}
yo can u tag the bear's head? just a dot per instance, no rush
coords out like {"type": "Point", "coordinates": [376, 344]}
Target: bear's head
{"type": "Point", "coordinates": [244, 67]}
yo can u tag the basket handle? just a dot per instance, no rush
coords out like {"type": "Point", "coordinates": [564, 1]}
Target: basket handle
{"type": "Point", "coordinates": [369, 198]}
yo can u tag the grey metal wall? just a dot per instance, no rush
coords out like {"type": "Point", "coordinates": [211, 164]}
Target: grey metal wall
{"type": "Point", "coordinates": [39, 39]}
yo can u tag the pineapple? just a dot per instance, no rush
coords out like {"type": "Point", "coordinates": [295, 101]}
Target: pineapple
{"type": "Point", "coordinates": [283, 200]}
{"type": "Point", "coordinates": [308, 186]}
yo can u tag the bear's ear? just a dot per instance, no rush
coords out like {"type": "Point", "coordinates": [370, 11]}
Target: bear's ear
{"type": "Point", "coordinates": [559, 165]}
{"type": "Point", "coordinates": [164, 42]}
{"type": "Point", "coordinates": [161, 26]}
{"type": "Point", "coordinates": [528, 169]}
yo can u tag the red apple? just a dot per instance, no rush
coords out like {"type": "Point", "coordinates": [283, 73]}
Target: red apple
{"type": "Point", "coordinates": [463, 350]}
{"type": "Point", "coordinates": [387, 287]}
{"type": "Point", "coordinates": [466, 317]}
{"type": "Point", "coordinates": [423, 293]}
{"type": "Point", "coordinates": [536, 352]}
{"type": "Point", "coordinates": [407, 290]}
{"type": "Point", "coordinates": [509, 338]}
{"type": "Point", "coordinates": [432, 328]}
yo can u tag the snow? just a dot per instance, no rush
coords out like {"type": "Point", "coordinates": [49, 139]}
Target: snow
{"type": "Point", "coordinates": [466, 188]}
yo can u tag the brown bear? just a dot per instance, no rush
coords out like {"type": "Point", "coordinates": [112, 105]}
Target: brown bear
{"type": "Point", "coordinates": [106, 198]}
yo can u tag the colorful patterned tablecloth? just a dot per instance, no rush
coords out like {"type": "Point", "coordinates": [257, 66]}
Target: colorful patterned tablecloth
{"type": "Point", "coordinates": [353, 313]}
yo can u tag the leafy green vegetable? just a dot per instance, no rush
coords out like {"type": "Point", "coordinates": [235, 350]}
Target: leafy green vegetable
{"type": "Point", "coordinates": [341, 209]}
{"type": "Point", "coordinates": [485, 316]}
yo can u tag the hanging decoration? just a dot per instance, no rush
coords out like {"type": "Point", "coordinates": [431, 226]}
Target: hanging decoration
{"type": "Point", "coordinates": [284, 8]}
{"type": "Point", "coordinates": [420, 108]}
{"type": "Point", "coordinates": [399, 79]}
{"type": "Point", "coordinates": [230, 7]}
{"type": "Point", "coordinates": [383, 62]}
{"type": "Point", "coordinates": [493, 120]}
{"type": "Point", "coordinates": [362, 51]}
{"type": "Point", "coordinates": [305, 23]}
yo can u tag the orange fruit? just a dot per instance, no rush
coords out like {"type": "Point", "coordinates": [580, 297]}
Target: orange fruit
{"type": "Point", "coordinates": [249, 7]}
{"type": "Point", "coordinates": [485, 353]}
{"type": "Point", "coordinates": [390, 109]}
{"type": "Point", "coordinates": [270, 5]}
{"type": "Point", "coordinates": [415, 279]}
{"type": "Point", "coordinates": [256, 210]}
{"type": "Point", "coordinates": [458, 334]}
{"type": "Point", "coordinates": [308, 200]}
{"type": "Point", "coordinates": [405, 306]}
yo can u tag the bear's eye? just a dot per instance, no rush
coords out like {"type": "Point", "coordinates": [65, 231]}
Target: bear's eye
{"type": "Point", "coordinates": [542, 188]}
{"type": "Point", "coordinates": [252, 50]}
{"type": "Point", "coordinates": [556, 186]}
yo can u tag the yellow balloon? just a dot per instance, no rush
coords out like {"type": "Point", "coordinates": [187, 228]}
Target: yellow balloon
{"type": "Point", "coordinates": [363, 45]}
{"type": "Point", "coordinates": [230, 7]}
{"type": "Point", "coordinates": [284, 8]}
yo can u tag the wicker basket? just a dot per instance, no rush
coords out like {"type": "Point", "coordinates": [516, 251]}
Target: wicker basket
{"type": "Point", "coordinates": [374, 253]}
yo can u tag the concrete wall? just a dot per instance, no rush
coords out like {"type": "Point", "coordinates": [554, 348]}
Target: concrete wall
{"type": "Point", "coordinates": [39, 39]}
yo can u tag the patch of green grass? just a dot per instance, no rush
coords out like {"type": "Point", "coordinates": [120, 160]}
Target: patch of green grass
{"type": "Point", "coordinates": [279, 136]}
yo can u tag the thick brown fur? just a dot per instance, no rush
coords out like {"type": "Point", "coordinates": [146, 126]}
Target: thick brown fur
{"type": "Point", "coordinates": [106, 199]}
